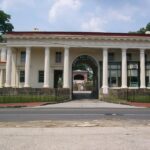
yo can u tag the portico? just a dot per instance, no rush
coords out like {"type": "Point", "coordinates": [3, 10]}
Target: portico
{"type": "Point", "coordinates": [32, 58]}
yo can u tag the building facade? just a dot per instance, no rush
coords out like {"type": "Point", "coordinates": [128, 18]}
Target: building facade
{"type": "Point", "coordinates": [39, 59]}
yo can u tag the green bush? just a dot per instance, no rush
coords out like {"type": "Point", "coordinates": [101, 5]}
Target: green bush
{"type": "Point", "coordinates": [32, 98]}
{"type": "Point", "coordinates": [139, 98]}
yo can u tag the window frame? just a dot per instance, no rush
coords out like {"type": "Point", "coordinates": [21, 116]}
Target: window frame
{"type": "Point", "coordinates": [146, 71]}
{"type": "Point", "coordinates": [130, 71]}
{"type": "Point", "coordinates": [22, 56]}
{"type": "Point", "coordinates": [58, 57]}
{"type": "Point", "coordinates": [22, 76]}
{"type": "Point", "coordinates": [41, 76]}
{"type": "Point", "coordinates": [111, 56]}
{"type": "Point", "coordinates": [118, 71]}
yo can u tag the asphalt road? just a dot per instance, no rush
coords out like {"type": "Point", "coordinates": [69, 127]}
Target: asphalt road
{"type": "Point", "coordinates": [26, 114]}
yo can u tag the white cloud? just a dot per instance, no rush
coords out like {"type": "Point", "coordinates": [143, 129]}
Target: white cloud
{"type": "Point", "coordinates": [99, 21]}
{"type": "Point", "coordinates": [61, 7]}
{"type": "Point", "coordinates": [11, 4]}
{"type": "Point", "coordinates": [120, 16]}
{"type": "Point", "coordinates": [94, 24]}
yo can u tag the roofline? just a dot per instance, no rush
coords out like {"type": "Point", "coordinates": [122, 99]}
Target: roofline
{"type": "Point", "coordinates": [76, 33]}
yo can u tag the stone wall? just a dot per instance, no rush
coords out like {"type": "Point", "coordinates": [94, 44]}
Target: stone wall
{"type": "Point", "coordinates": [65, 92]}
{"type": "Point", "coordinates": [125, 93]}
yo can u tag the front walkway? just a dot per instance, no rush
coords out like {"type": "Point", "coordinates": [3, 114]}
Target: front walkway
{"type": "Point", "coordinates": [85, 103]}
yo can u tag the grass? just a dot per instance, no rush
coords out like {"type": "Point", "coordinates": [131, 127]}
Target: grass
{"type": "Point", "coordinates": [33, 98]}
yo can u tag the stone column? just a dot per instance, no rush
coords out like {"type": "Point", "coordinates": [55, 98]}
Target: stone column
{"type": "Point", "coordinates": [3, 54]}
{"type": "Point", "coordinates": [66, 68]}
{"type": "Point", "coordinates": [142, 67]}
{"type": "Point", "coordinates": [13, 70]}
{"type": "Point", "coordinates": [27, 67]}
{"type": "Point", "coordinates": [1, 78]}
{"type": "Point", "coordinates": [46, 67]}
{"type": "Point", "coordinates": [8, 67]}
{"type": "Point", "coordinates": [124, 68]}
{"type": "Point", "coordinates": [105, 71]}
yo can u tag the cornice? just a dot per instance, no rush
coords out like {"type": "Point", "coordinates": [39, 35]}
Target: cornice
{"type": "Point", "coordinates": [77, 37]}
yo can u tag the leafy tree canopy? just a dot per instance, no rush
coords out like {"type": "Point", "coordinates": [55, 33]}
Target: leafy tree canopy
{"type": "Point", "coordinates": [5, 25]}
{"type": "Point", "coordinates": [143, 29]}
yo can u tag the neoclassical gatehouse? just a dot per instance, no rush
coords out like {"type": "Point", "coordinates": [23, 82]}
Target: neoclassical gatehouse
{"type": "Point", "coordinates": [40, 59]}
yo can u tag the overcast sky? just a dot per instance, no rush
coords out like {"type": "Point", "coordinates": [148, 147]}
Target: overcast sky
{"type": "Point", "coordinates": [78, 15]}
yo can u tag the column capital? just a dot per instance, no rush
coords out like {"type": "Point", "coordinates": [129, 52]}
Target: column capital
{"type": "Point", "coordinates": [105, 48]}
{"type": "Point", "coordinates": [124, 49]}
{"type": "Point", "coordinates": [142, 50]}
{"type": "Point", "coordinates": [28, 46]}
{"type": "Point", "coordinates": [67, 47]}
{"type": "Point", "coordinates": [47, 47]}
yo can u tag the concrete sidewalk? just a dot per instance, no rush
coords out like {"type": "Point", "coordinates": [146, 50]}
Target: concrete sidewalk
{"type": "Point", "coordinates": [78, 138]}
{"type": "Point", "coordinates": [87, 103]}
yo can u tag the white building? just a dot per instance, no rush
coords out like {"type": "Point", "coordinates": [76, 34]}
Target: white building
{"type": "Point", "coordinates": [39, 59]}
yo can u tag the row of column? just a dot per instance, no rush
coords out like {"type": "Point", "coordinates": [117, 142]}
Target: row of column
{"type": "Point", "coordinates": [46, 68]}
{"type": "Point", "coordinates": [66, 68]}
{"type": "Point", "coordinates": [124, 69]}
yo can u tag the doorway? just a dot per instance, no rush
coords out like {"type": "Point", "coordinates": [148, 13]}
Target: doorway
{"type": "Point", "coordinates": [84, 78]}
{"type": "Point", "coordinates": [58, 78]}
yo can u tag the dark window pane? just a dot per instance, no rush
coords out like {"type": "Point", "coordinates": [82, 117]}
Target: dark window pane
{"type": "Point", "coordinates": [22, 76]}
{"type": "Point", "coordinates": [148, 74]}
{"type": "Point", "coordinates": [114, 78]}
{"type": "Point", "coordinates": [133, 74]}
{"type": "Point", "coordinates": [58, 57]}
{"type": "Point", "coordinates": [110, 56]}
{"type": "Point", "coordinates": [23, 56]}
{"type": "Point", "coordinates": [129, 56]}
{"type": "Point", "coordinates": [41, 76]}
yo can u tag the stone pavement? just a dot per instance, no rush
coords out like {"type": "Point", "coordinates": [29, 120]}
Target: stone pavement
{"type": "Point", "coordinates": [78, 138]}
{"type": "Point", "coordinates": [86, 103]}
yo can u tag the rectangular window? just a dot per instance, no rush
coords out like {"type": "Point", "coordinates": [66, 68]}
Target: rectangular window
{"type": "Point", "coordinates": [111, 57]}
{"type": "Point", "coordinates": [114, 78]}
{"type": "Point", "coordinates": [133, 74]}
{"type": "Point", "coordinates": [41, 76]}
{"type": "Point", "coordinates": [22, 76]}
{"type": "Point", "coordinates": [22, 56]}
{"type": "Point", "coordinates": [58, 57]}
{"type": "Point", "coordinates": [146, 57]}
{"type": "Point", "coordinates": [148, 74]}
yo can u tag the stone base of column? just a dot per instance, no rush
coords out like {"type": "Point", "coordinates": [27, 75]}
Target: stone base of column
{"type": "Point", "coordinates": [124, 87]}
{"type": "Point", "coordinates": [105, 90]}
{"type": "Point", "coordinates": [46, 86]}
{"type": "Point", "coordinates": [26, 86]}
{"type": "Point", "coordinates": [142, 87]}
{"type": "Point", "coordinates": [7, 85]}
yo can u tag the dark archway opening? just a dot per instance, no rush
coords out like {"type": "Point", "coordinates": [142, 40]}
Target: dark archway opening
{"type": "Point", "coordinates": [84, 78]}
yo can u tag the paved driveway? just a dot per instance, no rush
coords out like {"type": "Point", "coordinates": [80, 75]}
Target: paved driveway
{"type": "Point", "coordinates": [85, 103]}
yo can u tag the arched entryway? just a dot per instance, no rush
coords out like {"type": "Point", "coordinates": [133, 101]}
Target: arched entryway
{"type": "Point", "coordinates": [84, 78]}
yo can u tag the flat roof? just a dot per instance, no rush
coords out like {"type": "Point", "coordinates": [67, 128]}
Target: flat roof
{"type": "Point", "coordinates": [76, 33]}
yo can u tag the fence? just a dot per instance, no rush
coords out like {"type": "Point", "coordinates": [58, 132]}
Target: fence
{"type": "Point", "coordinates": [10, 95]}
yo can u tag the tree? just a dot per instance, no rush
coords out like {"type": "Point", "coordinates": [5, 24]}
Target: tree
{"type": "Point", "coordinates": [5, 25]}
{"type": "Point", "coordinates": [143, 30]}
